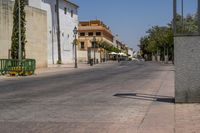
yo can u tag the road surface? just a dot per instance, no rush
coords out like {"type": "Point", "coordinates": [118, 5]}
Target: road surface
{"type": "Point", "coordinates": [114, 99]}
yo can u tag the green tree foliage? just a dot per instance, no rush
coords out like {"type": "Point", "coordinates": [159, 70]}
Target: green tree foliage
{"type": "Point", "coordinates": [15, 31]}
{"type": "Point", "coordinates": [108, 47]}
{"type": "Point", "coordinates": [159, 39]}
{"type": "Point", "coordinates": [189, 24]}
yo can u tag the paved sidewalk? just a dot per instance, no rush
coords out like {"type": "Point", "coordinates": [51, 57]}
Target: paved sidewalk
{"type": "Point", "coordinates": [66, 68]}
{"type": "Point", "coordinates": [167, 117]}
{"type": "Point", "coordinates": [160, 115]}
{"type": "Point", "coordinates": [70, 67]}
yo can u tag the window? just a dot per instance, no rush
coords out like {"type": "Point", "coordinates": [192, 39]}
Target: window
{"type": "Point", "coordinates": [90, 33]}
{"type": "Point", "coordinates": [65, 10]}
{"type": "Point", "coordinates": [82, 34]}
{"type": "Point", "coordinates": [72, 13]}
{"type": "Point", "coordinates": [82, 45]}
{"type": "Point", "coordinates": [98, 33]}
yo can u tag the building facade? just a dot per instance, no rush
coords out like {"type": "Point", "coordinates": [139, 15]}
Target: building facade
{"type": "Point", "coordinates": [130, 52]}
{"type": "Point", "coordinates": [89, 48]}
{"type": "Point", "coordinates": [68, 14]}
{"type": "Point", "coordinates": [36, 32]}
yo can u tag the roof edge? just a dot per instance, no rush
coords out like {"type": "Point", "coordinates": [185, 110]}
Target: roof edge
{"type": "Point", "coordinates": [72, 3]}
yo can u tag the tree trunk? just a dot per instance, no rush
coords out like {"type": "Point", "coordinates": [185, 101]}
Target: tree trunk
{"type": "Point", "coordinates": [58, 33]}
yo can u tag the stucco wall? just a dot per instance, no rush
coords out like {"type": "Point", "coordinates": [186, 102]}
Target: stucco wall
{"type": "Point", "coordinates": [187, 64]}
{"type": "Point", "coordinates": [67, 24]}
{"type": "Point", "coordinates": [130, 52]}
{"type": "Point", "coordinates": [82, 56]}
{"type": "Point", "coordinates": [36, 46]}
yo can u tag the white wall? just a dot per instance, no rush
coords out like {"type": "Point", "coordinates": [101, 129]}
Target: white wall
{"type": "Point", "coordinates": [82, 56]}
{"type": "Point", "coordinates": [35, 3]}
{"type": "Point", "coordinates": [67, 24]}
{"type": "Point", "coordinates": [130, 52]}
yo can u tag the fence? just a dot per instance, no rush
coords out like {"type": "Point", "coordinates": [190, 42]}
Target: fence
{"type": "Point", "coordinates": [17, 67]}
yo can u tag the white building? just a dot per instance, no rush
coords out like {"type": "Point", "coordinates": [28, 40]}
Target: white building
{"type": "Point", "coordinates": [68, 13]}
{"type": "Point", "coordinates": [130, 52]}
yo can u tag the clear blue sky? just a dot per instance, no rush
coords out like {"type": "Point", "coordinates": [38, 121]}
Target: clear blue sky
{"type": "Point", "coordinates": [129, 18]}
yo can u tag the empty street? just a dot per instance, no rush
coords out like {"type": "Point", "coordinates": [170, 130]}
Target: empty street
{"type": "Point", "coordinates": [115, 98]}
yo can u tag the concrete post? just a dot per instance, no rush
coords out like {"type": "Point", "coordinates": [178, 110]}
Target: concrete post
{"type": "Point", "coordinates": [187, 64]}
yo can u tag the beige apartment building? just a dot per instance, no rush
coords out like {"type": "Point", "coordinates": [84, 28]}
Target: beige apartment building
{"type": "Point", "coordinates": [91, 35]}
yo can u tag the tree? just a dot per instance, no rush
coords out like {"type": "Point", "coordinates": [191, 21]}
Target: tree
{"type": "Point", "coordinates": [144, 42]}
{"type": "Point", "coordinates": [108, 47]}
{"type": "Point", "coordinates": [189, 24]}
{"type": "Point", "coordinates": [15, 30]}
{"type": "Point", "coordinates": [160, 39]}
{"type": "Point", "coordinates": [157, 41]}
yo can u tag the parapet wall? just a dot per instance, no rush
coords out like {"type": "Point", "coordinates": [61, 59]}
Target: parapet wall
{"type": "Point", "coordinates": [187, 66]}
{"type": "Point", "coordinates": [36, 32]}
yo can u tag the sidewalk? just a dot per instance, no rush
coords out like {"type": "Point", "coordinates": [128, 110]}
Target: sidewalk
{"type": "Point", "coordinates": [62, 67]}
{"type": "Point", "coordinates": [67, 68]}
{"type": "Point", "coordinates": [70, 67]}
{"type": "Point", "coordinates": [167, 117]}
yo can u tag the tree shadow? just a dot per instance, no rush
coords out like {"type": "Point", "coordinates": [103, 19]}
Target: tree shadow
{"type": "Point", "coordinates": [146, 97]}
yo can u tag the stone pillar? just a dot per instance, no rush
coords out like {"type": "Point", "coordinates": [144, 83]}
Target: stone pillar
{"type": "Point", "coordinates": [187, 69]}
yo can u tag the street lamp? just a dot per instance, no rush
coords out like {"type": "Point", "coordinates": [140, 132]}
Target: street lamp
{"type": "Point", "coordinates": [94, 45]}
{"type": "Point", "coordinates": [75, 43]}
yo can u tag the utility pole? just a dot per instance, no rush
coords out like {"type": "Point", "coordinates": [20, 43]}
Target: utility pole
{"type": "Point", "coordinates": [199, 16]}
{"type": "Point", "coordinates": [20, 44]}
{"type": "Point", "coordinates": [58, 32]}
{"type": "Point", "coordinates": [174, 16]}
{"type": "Point", "coordinates": [182, 14]}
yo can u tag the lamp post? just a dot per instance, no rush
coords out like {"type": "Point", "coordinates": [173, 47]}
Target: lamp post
{"type": "Point", "coordinates": [75, 43]}
{"type": "Point", "coordinates": [94, 43]}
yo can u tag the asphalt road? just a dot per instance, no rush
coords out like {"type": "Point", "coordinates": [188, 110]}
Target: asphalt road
{"type": "Point", "coordinates": [112, 99]}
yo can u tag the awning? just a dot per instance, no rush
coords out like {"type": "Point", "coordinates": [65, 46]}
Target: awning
{"type": "Point", "coordinates": [113, 53]}
{"type": "Point", "coordinates": [122, 54]}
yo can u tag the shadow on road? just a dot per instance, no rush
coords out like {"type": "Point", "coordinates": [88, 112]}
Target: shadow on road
{"type": "Point", "coordinates": [147, 97]}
